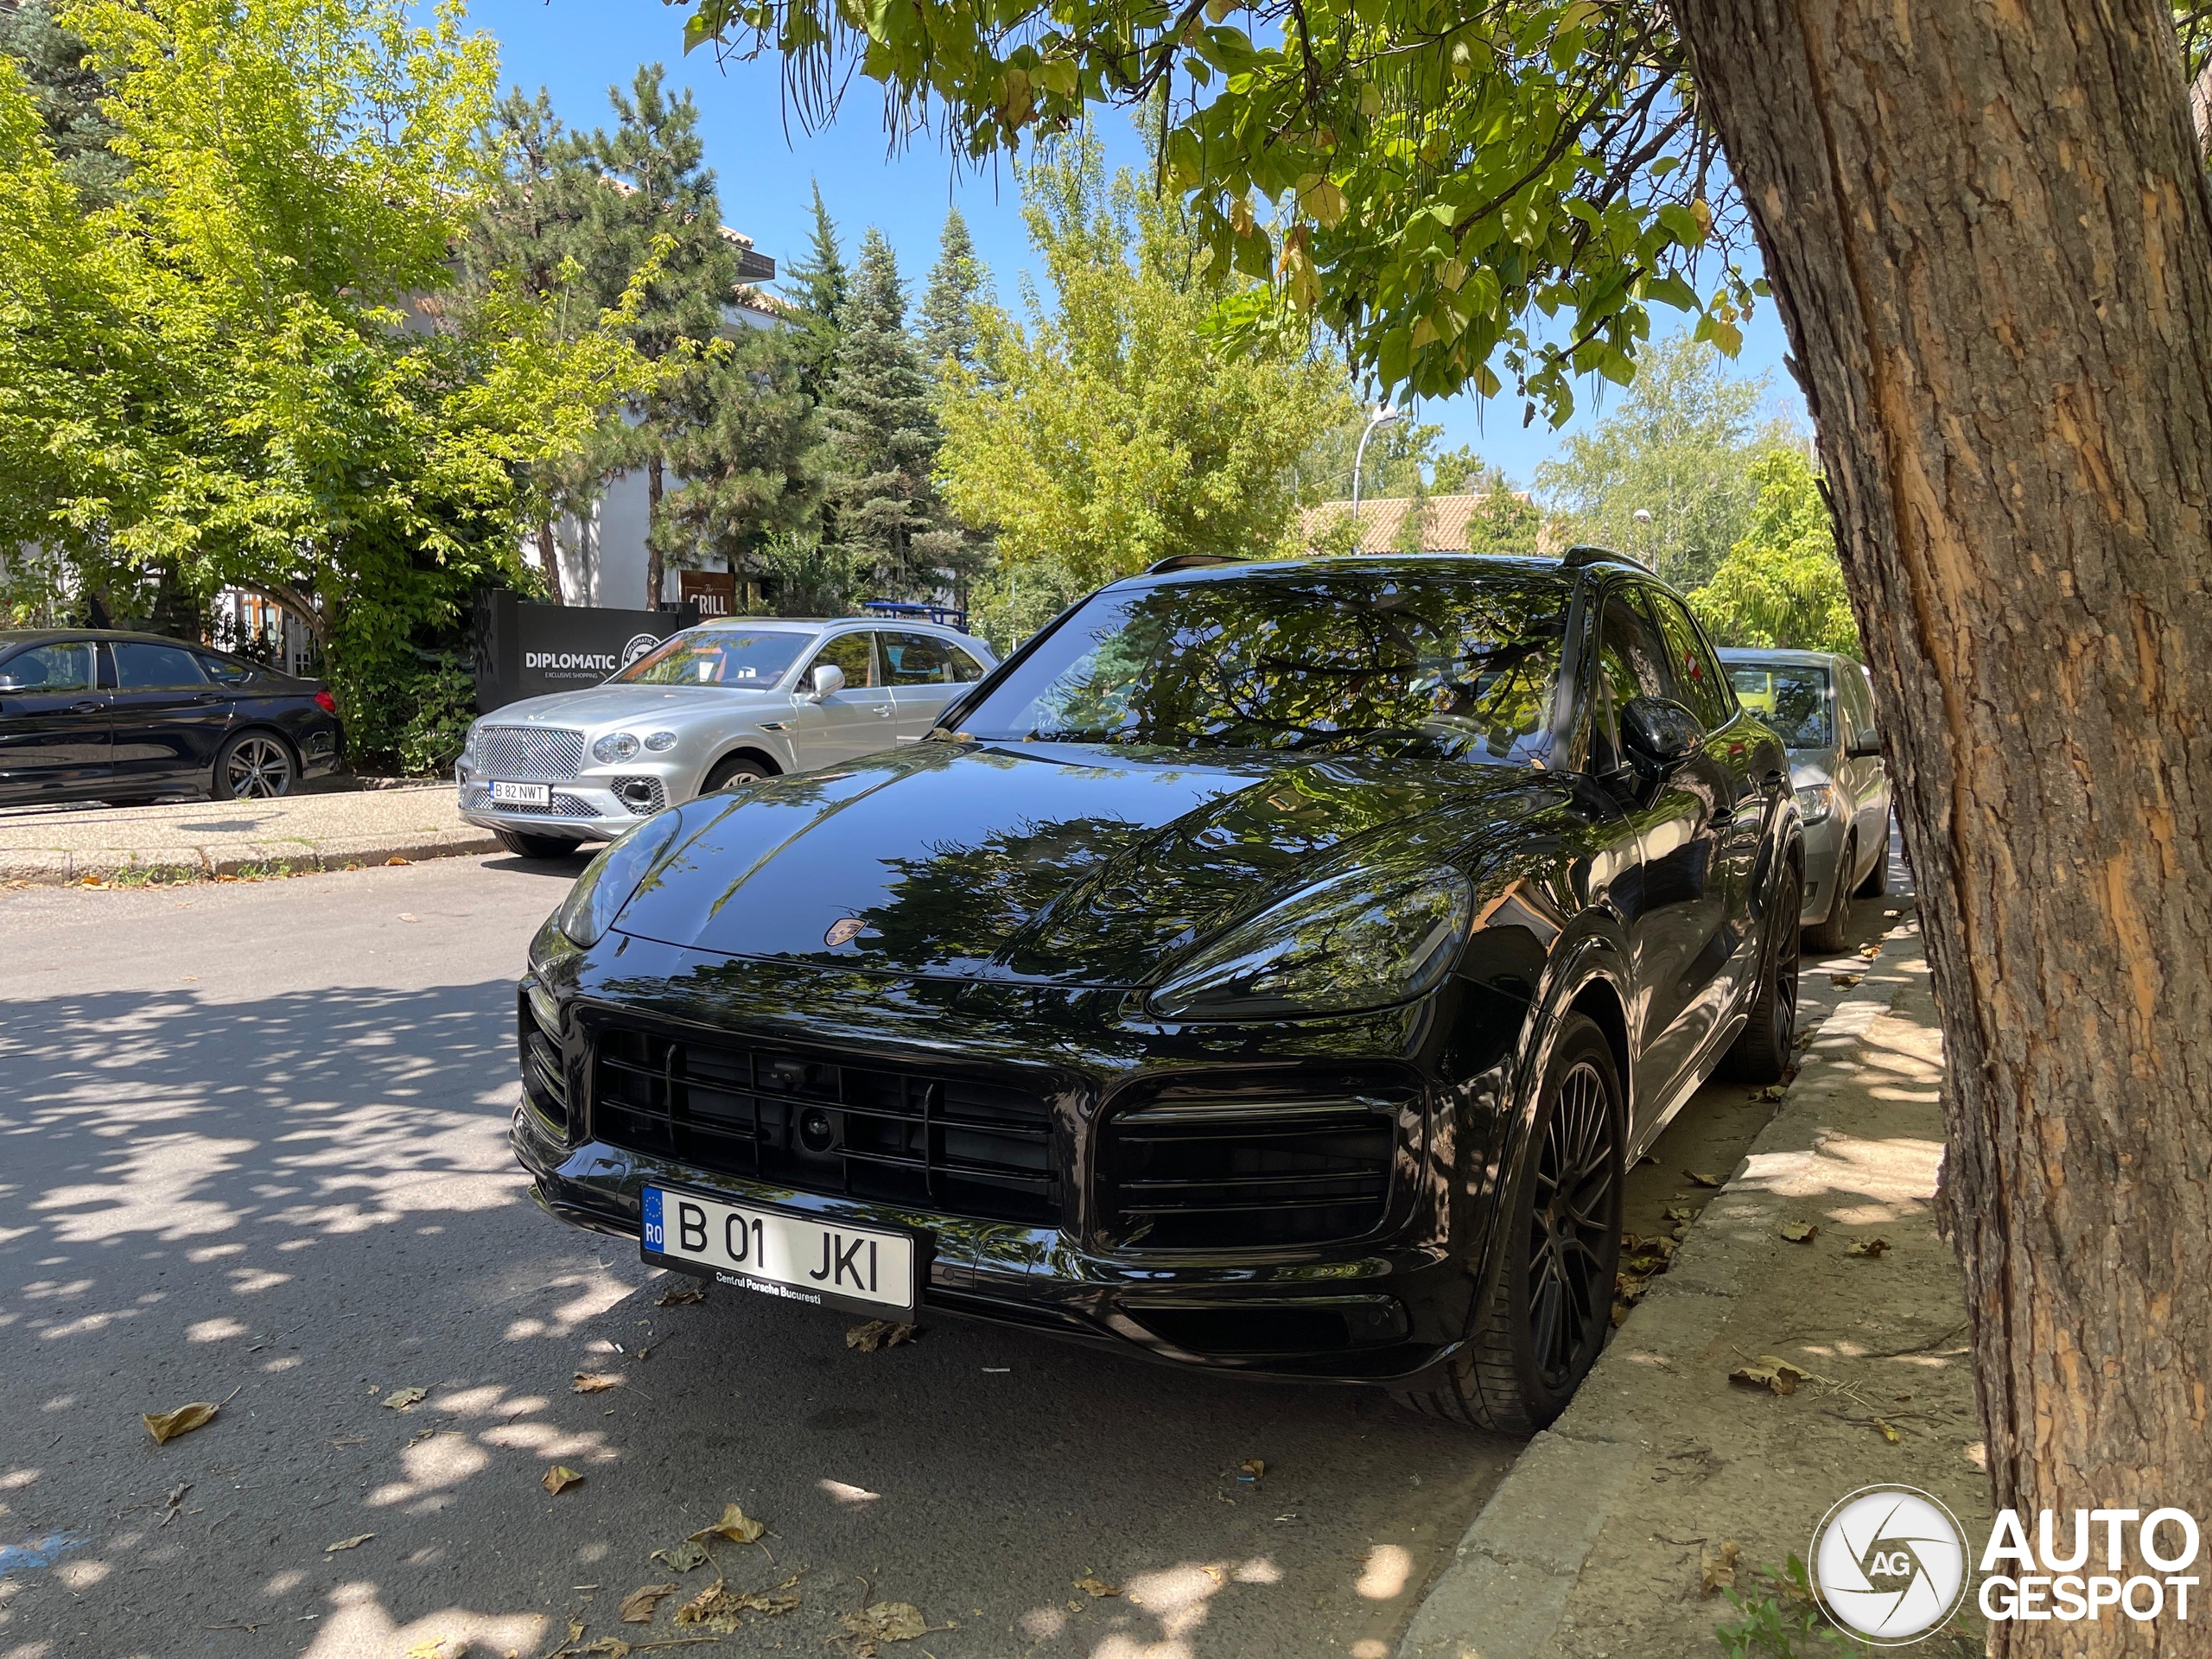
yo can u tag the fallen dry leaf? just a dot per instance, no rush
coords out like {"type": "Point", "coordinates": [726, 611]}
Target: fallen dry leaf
{"type": "Point", "coordinates": [1887, 1433]}
{"type": "Point", "coordinates": [1768, 1372]}
{"type": "Point", "coordinates": [1868, 1249]}
{"type": "Point", "coordinates": [682, 1294]}
{"type": "Point", "coordinates": [1845, 982]}
{"type": "Point", "coordinates": [1800, 1232]}
{"type": "Point", "coordinates": [1681, 1212]}
{"type": "Point", "coordinates": [734, 1525]}
{"type": "Point", "coordinates": [1253, 1466]}
{"type": "Point", "coordinates": [1698, 1177]}
{"type": "Point", "coordinates": [166, 1426]}
{"type": "Point", "coordinates": [716, 1607]}
{"type": "Point", "coordinates": [400, 1399]}
{"type": "Point", "coordinates": [879, 1333]}
{"type": "Point", "coordinates": [595, 1382]}
{"type": "Point", "coordinates": [1773, 1092]}
{"type": "Point", "coordinates": [557, 1479]}
{"type": "Point", "coordinates": [394, 860]}
{"type": "Point", "coordinates": [886, 1621]}
{"type": "Point", "coordinates": [1091, 1585]}
{"type": "Point", "coordinates": [608, 1646]}
{"type": "Point", "coordinates": [638, 1606]}
{"type": "Point", "coordinates": [354, 1542]}
{"type": "Point", "coordinates": [682, 1558]}
{"type": "Point", "coordinates": [1716, 1569]}
{"type": "Point", "coordinates": [1871, 951]}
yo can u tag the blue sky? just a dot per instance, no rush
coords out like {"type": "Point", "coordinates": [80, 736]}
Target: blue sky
{"type": "Point", "coordinates": [575, 48]}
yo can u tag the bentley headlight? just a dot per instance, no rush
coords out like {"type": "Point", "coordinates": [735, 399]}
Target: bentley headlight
{"type": "Point", "coordinates": [659, 742]}
{"type": "Point", "coordinates": [468, 745]}
{"type": "Point", "coordinates": [1816, 802]}
{"type": "Point", "coordinates": [612, 880]}
{"type": "Point", "coordinates": [615, 747]}
{"type": "Point", "coordinates": [1354, 942]}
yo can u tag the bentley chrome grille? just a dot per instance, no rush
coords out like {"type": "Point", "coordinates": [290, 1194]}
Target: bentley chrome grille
{"type": "Point", "coordinates": [529, 754]}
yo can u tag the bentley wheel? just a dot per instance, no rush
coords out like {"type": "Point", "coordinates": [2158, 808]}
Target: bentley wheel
{"type": "Point", "coordinates": [1833, 930]}
{"type": "Point", "coordinates": [253, 766]}
{"type": "Point", "coordinates": [1549, 1306]}
{"type": "Point", "coordinates": [523, 844]}
{"type": "Point", "coordinates": [1763, 1054]}
{"type": "Point", "coordinates": [736, 771]}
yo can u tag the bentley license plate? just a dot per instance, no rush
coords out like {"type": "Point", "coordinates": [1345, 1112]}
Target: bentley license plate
{"type": "Point", "coordinates": [521, 795]}
{"type": "Point", "coordinates": [782, 1254]}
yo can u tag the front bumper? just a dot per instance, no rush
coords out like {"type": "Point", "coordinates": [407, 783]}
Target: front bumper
{"type": "Point", "coordinates": [596, 806]}
{"type": "Point", "coordinates": [1823, 852]}
{"type": "Point", "coordinates": [1386, 1305]}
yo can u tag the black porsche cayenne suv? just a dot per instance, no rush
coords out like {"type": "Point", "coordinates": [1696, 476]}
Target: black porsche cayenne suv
{"type": "Point", "coordinates": [1272, 966]}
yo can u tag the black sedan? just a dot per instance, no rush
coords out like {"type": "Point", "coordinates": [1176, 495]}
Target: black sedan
{"type": "Point", "coordinates": [126, 718]}
{"type": "Point", "coordinates": [1271, 967]}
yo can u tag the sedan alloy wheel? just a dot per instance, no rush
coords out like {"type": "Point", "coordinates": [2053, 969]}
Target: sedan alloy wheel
{"type": "Point", "coordinates": [254, 767]}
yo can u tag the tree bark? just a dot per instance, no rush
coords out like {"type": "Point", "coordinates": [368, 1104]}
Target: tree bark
{"type": "Point", "coordinates": [654, 576]}
{"type": "Point", "coordinates": [1990, 237]}
{"type": "Point", "coordinates": [548, 555]}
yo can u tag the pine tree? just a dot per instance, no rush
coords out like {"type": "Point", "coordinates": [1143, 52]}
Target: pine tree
{"type": "Point", "coordinates": [957, 282]}
{"type": "Point", "coordinates": [886, 515]}
{"type": "Point", "coordinates": [67, 93]}
{"type": "Point", "coordinates": [818, 289]}
{"type": "Point", "coordinates": [659, 185]}
{"type": "Point", "coordinates": [1506, 522]}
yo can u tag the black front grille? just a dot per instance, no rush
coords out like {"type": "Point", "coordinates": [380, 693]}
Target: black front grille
{"type": "Point", "coordinates": [1256, 1169]}
{"type": "Point", "coordinates": [543, 1079]}
{"type": "Point", "coordinates": [956, 1146]}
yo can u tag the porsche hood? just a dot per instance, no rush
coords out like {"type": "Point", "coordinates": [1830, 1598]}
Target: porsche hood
{"type": "Point", "coordinates": [1059, 864]}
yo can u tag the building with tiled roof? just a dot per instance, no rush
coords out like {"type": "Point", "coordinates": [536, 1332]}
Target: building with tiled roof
{"type": "Point", "coordinates": [1381, 517]}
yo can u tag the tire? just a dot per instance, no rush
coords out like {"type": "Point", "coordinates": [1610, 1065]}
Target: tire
{"type": "Point", "coordinates": [1763, 1054]}
{"type": "Point", "coordinates": [1546, 1314]}
{"type": "Point", "coordinates": [1877, 879]}
{"type": "Point", "coordinates": [732, 769]}
{"type": "Point", "coordinates": [1833, 930]}
{"type": "Point", "coordinates": [255, 766]}
{"type": "Point", "coordinates": [523, 844]}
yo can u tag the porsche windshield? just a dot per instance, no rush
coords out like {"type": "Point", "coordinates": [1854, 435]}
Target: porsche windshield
{"type": "Point", "coordinates": [716, 657]}
{"type": "Point", "coordinates": [1459, 662]}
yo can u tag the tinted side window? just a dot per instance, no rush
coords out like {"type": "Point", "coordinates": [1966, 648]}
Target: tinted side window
{"type": "Point", "coordinates": [1632, 657]}
{"type": "Point", "coordinates": [1698, 680]}
{"type": "Point", "coordinates": [965, 668]}
{"type": "Point", "coordinates": [140, 667]}
{"type": "Point", "coordinates": [64, 667]}
{"type": "Point", "coordinates": [224, 672]}
{"type": "Point", "coordinates": [914, 659]}
{"type": "Point", "coordinates": [848, 651]}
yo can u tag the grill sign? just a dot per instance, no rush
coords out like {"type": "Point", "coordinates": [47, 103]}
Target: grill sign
{"type": "Point", "coordinates": [527, 651]}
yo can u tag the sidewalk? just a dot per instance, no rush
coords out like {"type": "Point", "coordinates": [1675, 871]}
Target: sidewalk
{"type": "Point", "coordinates": [191, 840]}
{"type": "Point", "coordinates": [1594, 1547]}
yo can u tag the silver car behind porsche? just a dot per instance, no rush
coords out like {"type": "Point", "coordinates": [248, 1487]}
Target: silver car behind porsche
{"type": "Point", "coordinates": [720, 704]}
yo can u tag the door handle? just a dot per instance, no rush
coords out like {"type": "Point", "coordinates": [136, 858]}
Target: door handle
{"type": "Point", "coordinates": [883, 710]}
{"type": "Point", "coordinates": [87, 708]}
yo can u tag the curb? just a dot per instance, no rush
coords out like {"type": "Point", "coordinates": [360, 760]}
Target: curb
{"type": "Point", "coordinates": [70, 868]}
{"type": "Point", "coordinates": [1503, 1593]}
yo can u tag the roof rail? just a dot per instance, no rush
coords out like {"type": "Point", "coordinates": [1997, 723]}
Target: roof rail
{"type": "Point", "coordinates": [1575, 557]}
{"type": "Point", "coordinates": [1192, 562]}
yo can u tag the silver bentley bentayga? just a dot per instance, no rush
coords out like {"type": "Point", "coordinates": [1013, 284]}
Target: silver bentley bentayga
{"type": "Point", "coordinates": [714, 706]}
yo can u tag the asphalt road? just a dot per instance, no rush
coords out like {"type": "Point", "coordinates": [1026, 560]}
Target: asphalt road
{"type": "Point", "coordinates": [251, 1151]}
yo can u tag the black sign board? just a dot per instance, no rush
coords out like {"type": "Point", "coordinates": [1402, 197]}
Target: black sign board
{"type": "Point", "coordinates": [525, 650]}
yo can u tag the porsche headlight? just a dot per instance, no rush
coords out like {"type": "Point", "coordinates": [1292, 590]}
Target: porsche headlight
{"type": "Point", "coordinates": [1356, 941]}
{"type": "Point", "coordinates": [611, 880]}
{"type": "Point", "coordinates": [615, 747]}
{"type": "Point", "coordinates": [1816, 802]}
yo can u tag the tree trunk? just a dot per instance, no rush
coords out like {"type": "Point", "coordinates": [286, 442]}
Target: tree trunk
{"type": "Point", "coordinates": [1990, 241]}
{"type": "Point", "coordinates": [548, 555]}
{"type": "Point", "coordinates": [653, 572]}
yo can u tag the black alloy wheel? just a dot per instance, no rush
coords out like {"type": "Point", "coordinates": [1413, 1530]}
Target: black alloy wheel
{"type": "Point", "coordinates": [523, 844]}
{"type": "Point", "coordinates": [1763, 1054]}
{"type": "Point", "coordinates": [1545, 1318]}
{"type": "Point", "coordinates": [253, 766]}
{"type": "Point", "coordinates": [1833, 930]}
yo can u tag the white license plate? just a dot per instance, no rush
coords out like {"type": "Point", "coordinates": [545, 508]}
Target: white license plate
{"type": "Point", "coordinates": [781, 1253]}
{"type": "Point", "coordinates": [522, 795]}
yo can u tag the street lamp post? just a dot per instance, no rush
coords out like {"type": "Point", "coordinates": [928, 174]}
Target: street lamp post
{"type": "Point", "coordinates": [1383, 415]}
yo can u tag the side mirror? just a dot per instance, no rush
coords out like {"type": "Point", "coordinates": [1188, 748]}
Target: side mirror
{"type": "Point", "coordinates": [1659, 731]}
{"type": "Point", "coordinates": [828, 680]}
{"type": "Point", "coordinates": [9, 682]}
{"type": "Point", "coordinates": [1867, 744]}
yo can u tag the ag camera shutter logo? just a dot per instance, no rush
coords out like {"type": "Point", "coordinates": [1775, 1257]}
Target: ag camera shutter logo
{"type": "Point", "coordinates": [1889, 1563]}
